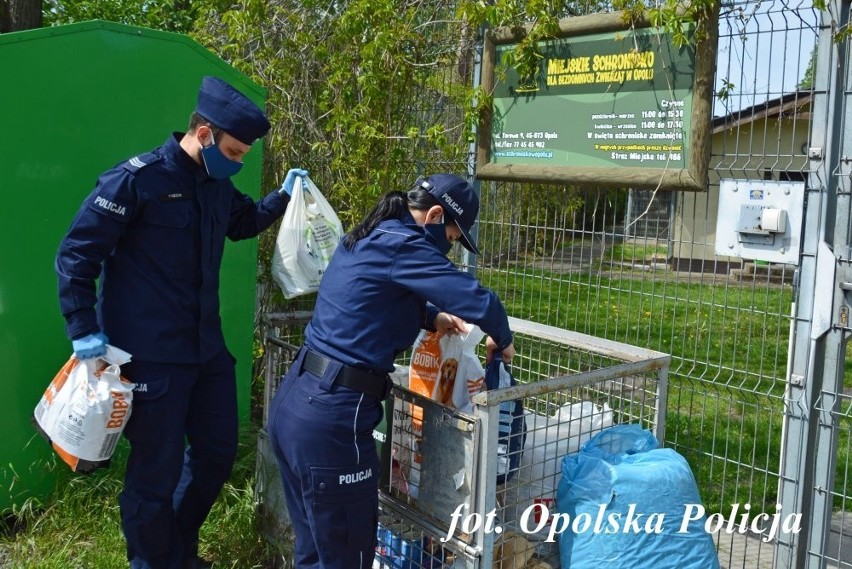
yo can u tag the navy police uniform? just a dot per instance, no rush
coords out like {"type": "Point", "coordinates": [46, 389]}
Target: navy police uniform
{"type": "Point", "coordinates": [372, 302]}
{"type": "Point", "coordinates": [153, 231]}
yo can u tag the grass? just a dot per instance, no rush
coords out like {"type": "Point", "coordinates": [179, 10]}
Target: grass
{"type": "Point", "coordinates": [79, 526]}
{"type": "Point", "coordinates": [637, 253]}
{"type": "Point", "coordinates": [728, 343]}
{"type": "Point", "coordinates": [729, 335]}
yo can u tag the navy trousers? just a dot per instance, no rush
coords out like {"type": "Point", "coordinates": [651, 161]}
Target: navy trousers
{"type": "Point", "coordinates": [183, 442]}
{"type": "Point", "coordinates": [322, 437]}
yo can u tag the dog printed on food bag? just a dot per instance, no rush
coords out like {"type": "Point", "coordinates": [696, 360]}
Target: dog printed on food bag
{"type": "Point", "coordinates": [446, 368]}
{"type": "Point", "coordinates": [447, 382]}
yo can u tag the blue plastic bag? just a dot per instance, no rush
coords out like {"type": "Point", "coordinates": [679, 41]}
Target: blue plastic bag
{"type": "Point", "coordinates": [512, 428]}
{"type": "Point", "coordinates": [634, 497]}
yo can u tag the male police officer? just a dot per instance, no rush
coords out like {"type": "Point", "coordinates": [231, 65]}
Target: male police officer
{"type": "Point", "coordinates": [153, 230]}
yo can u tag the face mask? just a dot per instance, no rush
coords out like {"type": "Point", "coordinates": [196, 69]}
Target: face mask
{"type": "Point", "coordinates": [218, 166]}
{"type": "Point", "coordinates": [438, 233]}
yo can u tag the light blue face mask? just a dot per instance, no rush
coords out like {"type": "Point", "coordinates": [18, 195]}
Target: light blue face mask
{"type": "Point", "coordinates": [438, 234]}
{"type": "Point", "coordinates": [217, 164]}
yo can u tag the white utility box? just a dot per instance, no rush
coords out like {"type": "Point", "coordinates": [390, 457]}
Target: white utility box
{"type": "Point", "coordinates": [760, 220]}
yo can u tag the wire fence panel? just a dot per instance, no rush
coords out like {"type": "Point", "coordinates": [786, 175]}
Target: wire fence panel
{"type": "Point", "coordinates": [642, 268]}
{"type": "Point", "coordinates": [283, 336]}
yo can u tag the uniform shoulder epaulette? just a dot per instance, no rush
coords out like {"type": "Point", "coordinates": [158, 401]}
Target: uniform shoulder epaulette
{"type": "Point", "coordinates": [138, 162]}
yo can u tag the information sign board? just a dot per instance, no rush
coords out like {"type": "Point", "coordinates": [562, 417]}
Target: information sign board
{"type": "Point", "coordinates": [609, 106]}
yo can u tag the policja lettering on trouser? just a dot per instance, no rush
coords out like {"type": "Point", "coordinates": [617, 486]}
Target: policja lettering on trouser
{"type": "Point", "coordinates": [389, 279]}
{"type": "Point", "coordinates": [332, 466]}
{"type": "Point", "coordinates": [359, 476]}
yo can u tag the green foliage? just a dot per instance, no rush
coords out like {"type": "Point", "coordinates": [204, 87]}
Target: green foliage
{"type": "Point", "coordinates": [533, 21]}
{"type": "Point", "coordinates": [841, 32]}
{"type": "Point", "coordinates": [348, 84]}
{"type": "Point", "coordinates": [169, 15]}
{"type": "Point", "coordinates": [366, 94]}
{"type": "Point", "coordinates": [673, 16]}
{"type": "Point", "coordinates": [725, 90]}
{"type": "Point", "coordinates": [807, 81]}
{"type": "Point", "coordinates": [80, 526]}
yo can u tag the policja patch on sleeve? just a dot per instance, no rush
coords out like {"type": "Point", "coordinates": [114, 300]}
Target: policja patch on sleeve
{"type": "Point", "coordinates": [102, 205]}
{"type": "Point", "coordinates": [114, 194]}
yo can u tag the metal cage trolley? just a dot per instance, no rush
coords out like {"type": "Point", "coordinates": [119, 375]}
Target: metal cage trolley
{"type": "Point", "coordinates": [477, 490]}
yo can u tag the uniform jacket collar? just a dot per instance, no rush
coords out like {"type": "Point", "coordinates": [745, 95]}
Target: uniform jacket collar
{"type": "Point", "coordinates": [176, 153]}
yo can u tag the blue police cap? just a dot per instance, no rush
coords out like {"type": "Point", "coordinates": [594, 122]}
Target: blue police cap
{"type": "Point", "coordinates": [231, 111]}
{"type": "Point", "coordinates": [459, 201]}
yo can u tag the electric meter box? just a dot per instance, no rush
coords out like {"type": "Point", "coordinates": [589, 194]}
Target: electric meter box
{"type": "Point", "coordinates": [760, 220]}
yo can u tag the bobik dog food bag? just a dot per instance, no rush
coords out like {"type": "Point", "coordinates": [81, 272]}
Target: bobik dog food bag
{"type": "Point", "coordinates": [85, 408]}
{"type": "Point", "coordinates": [445, 367]}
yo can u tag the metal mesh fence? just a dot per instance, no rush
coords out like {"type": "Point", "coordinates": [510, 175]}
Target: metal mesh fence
{"type": "Point", "coordinates": [641, 268]}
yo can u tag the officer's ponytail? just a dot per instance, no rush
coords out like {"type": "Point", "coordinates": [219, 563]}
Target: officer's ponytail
{"type": "Point", "coordinates": [392, 205]}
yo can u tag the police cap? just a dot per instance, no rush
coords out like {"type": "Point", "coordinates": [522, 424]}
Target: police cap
{"type": "Point", "coordinates": [459, 201]}
{"type": "Point", "coordinates": [230, 110]}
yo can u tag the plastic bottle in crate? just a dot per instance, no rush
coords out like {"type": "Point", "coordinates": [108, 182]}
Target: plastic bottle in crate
{"type": "Point", "coordinates": [401, 548]}
{"type": "Point", "coordinates": [504, 430]}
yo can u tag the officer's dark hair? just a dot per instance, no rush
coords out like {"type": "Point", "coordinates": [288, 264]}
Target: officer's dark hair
{"type": "Point", "coordinates": [392, 205]}
{"type": "Point", "coordinates": [196, 120]}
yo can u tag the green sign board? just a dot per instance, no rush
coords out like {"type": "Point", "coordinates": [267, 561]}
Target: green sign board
{"type": "Point", "coordinates": [618, 107]}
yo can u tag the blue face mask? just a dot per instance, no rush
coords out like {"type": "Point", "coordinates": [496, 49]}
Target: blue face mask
{"type": "Point", "coordinates": [218, 166]}
{"type": "Point", "coordinates": [438, 233]}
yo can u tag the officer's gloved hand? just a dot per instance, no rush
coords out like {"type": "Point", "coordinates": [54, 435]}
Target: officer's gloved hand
{"type": "Point", "coordinates": [290, 179]}
{"type": "Point", "coordinates": [91, 346]}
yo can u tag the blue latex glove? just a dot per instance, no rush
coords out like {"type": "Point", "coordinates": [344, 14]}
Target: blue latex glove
{"type": "Point", "coordinates": [290, 179]}
{"type": "Point", "coordinates": [91, 346]}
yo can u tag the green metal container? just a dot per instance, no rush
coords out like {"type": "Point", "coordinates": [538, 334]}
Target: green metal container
{"type": "Point", "coordinates": [75, 100]}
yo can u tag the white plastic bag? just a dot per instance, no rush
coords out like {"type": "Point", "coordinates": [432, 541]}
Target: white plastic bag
{"type": "Point", "coordinates": [307, 238]}
{"type": "Point", "coordinates": [445, 367]}
{"type": "Point", "coordinates": [85, 408]}
{"type": "Point", "coordinates": [548, 440]}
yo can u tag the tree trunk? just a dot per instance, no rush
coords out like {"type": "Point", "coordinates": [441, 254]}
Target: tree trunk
{"type": "Point", "coordinates": [17, 15]}
{"type": "Point", "coordinates": [4, 16]}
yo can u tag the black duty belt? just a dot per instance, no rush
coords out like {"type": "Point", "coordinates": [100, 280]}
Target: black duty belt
{"type": "Point", "coordinates": [375, 384]}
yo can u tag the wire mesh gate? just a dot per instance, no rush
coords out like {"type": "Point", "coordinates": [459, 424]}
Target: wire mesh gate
{"type": "Point", "coordinates": [641, 268]}
{"type": "Point", "coordinates": [451, 480]}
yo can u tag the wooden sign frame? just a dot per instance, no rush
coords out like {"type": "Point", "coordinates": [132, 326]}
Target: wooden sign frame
{"type": "Point", "coordinates": [690, 174]}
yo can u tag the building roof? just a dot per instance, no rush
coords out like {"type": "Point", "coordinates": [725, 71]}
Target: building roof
{"type": "Point", "coordinates": [796, 104]}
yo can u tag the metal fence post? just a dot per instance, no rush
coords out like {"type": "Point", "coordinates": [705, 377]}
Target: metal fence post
{"type": "Point", "coordinates": [469, 259]}
{"type": "Point", "coordinates": [815, 377]}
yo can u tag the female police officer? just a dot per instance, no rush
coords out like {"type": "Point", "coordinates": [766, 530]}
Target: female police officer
{"type": "Point", "coordinates": [389, 278]}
